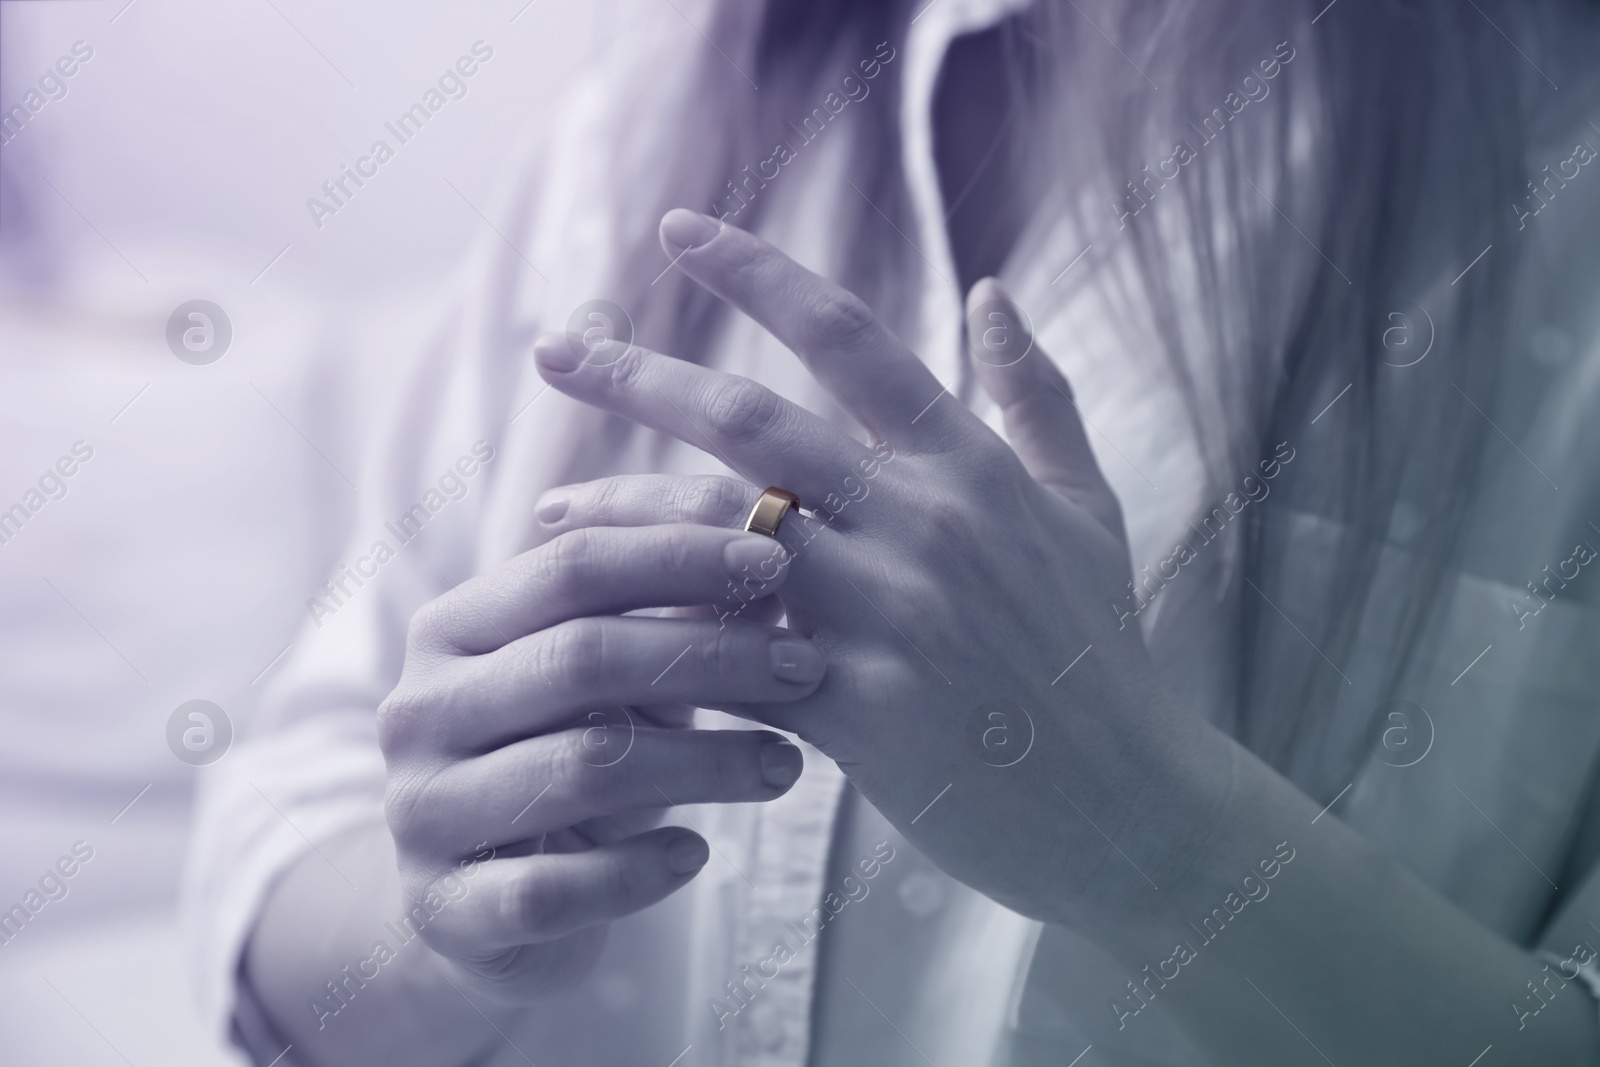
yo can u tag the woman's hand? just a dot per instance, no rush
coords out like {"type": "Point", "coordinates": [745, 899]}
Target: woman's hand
{"type": "Point", "coordinates": [982, 691]}
{"type": "Point", "coordinates": [522, 755]}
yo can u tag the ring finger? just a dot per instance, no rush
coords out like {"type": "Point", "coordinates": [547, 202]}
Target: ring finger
{"type": "Point", "coordinates": [629, 500]}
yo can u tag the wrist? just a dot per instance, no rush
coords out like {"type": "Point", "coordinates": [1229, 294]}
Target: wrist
{"type": "Point", "coordinates": [1218, 828]}
{"type": "Point", "coordinates": [1174, 778]}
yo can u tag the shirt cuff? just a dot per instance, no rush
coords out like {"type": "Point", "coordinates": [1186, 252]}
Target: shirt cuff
{"type": "Point", "coordinates": [251, 1029]}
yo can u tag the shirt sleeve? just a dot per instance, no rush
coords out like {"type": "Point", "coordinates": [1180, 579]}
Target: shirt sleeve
{"type": "Point", "coordinates": [447, 488]}
{"type": "Point", "coordinates": [309, 768]}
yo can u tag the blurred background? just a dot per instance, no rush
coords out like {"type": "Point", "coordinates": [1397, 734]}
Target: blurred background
{"type": "Point", "coordinates": [211, 483]}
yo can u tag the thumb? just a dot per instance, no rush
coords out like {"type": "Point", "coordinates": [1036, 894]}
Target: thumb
{"type": "Point", "coordinates": [1041, 415]}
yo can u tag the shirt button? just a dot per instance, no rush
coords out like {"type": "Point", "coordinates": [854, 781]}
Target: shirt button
{"type": "Point", "coordinates": [921, 894]}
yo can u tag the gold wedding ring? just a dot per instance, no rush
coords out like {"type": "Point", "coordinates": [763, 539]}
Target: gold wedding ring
{"type": "Point", "coordinates": [769, 512]}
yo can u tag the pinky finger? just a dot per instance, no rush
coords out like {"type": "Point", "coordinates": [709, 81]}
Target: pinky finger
{"type": "Point", "coordinates": [538, 898]}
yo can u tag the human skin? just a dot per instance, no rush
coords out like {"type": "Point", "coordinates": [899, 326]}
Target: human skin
{"type": "Point", "coordinates": [975, 571]}
{"type": "Point", "coordinates": [490, 745]}
{"type": "Point", "coordinates": [1373, 967]}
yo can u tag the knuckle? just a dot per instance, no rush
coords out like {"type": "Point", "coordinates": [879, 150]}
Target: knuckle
{"type": "Point", "coordinates": [429, 626]}
{"type": "Point", "coordinates": [743, 254]}
{"type": "Point", "coordinates": [742, 411]}
{"type": "Point", "coordinates": [948, 524]}
{"type": "Point", "coordinates": [620, 883]}
{"type": "Point", "coordinates": [576, 652]}
{"type": "Point", "coordinates": [557, 567]}
{"type": "Point", "coordinates": [712, 500]}
{"type": "Point", "coordinates": [400, 718]}
{"type": "Point", "coordinates": [629, 370]}
{"type": "Point", "coordinates": [720, 656]}
{"type": "Point", "coordinates": [841, 320]}
{"type": "Point", "coordinates": [571, 550]}
{"type": "Point", "coordinates": [606, 499]}
{"type": "Point", "coordinates": [501, 970]}
{"type": "Point", "coordinates": [571, 768]}
{"type": "Point", "coordinates": [676, 550]}
{"type": "Point", "coordinates": [539, 906]}
{"type": "Point", "coordinates": [404, 808]}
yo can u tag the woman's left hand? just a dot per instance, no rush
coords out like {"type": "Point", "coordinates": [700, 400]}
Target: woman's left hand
{"type": "Point", "coordinates": [982, 692]}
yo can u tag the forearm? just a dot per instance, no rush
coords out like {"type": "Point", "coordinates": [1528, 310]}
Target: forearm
{"type": "Point", "coordinates": [1340, 956]}
{"type": "Point", "coordinates": [317, 927]}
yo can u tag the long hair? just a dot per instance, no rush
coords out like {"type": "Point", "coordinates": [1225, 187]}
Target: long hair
{"type": "Point", "coordinates": [1267, 274]}
{"type": "Point", "coordinates": [1382, 163]}
{"type": "Point", "coordinates": [1378, 166]}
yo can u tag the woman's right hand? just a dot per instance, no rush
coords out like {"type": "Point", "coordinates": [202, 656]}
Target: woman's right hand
{"type": "Point", "coordinates": [515, 729]}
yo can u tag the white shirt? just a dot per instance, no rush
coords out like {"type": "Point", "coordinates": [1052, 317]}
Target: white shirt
{"type": "Point", "coordinates": [970, 982]}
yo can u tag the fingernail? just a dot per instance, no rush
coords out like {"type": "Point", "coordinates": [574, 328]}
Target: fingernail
{"type": "Point", "coordinates": [751, 552]}
{"type": "Point", "coordinates": [552, 508]}
{"type": "Point", "coordinates": [687, 854]}
{"type": "Point", "coordinates": [683, 229]}
{"type": "Point", "coordinates": [556, 352]}
{"type": "Point", "coordinates": [797, 661]}
{"type": "Point", "coordinates": [780, 764]}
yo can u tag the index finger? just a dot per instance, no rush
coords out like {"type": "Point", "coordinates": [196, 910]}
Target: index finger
{"type": "Point", "coordinates": [866, 368]}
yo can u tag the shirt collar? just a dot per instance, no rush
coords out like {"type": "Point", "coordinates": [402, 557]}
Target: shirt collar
{"type": "Point", "coordinates": [932, 30]}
